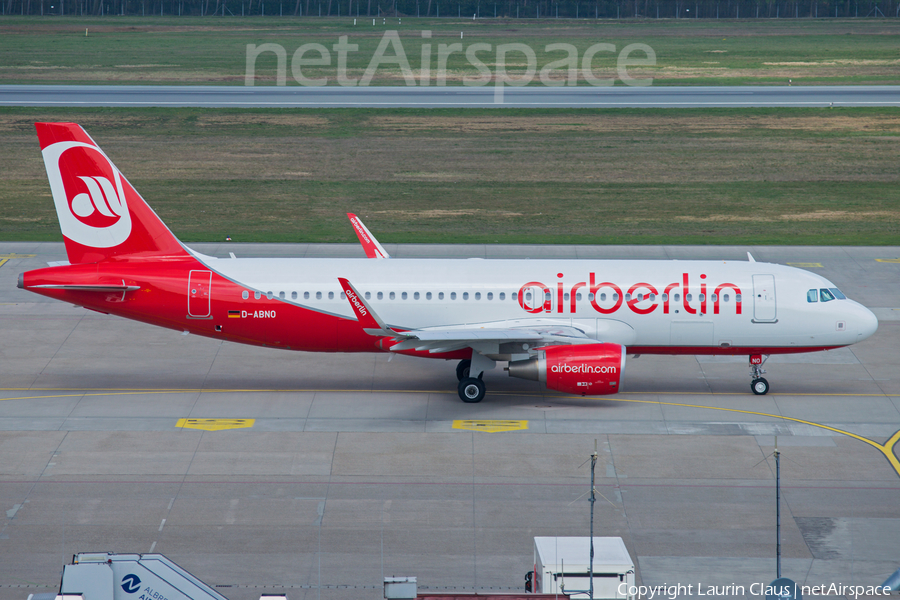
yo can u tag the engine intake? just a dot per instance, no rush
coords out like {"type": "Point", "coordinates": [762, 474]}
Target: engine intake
{"type": "Point", "coordinates": [588, 370]}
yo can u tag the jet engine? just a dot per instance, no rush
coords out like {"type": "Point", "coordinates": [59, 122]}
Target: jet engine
{"type": "Point", "coordinates": [588, 370]}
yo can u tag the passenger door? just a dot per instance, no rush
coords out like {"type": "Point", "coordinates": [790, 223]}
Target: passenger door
{"type": "Point", "coordinates": [764, 299]}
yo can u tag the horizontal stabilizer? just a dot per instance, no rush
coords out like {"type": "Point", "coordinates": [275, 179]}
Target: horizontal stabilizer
{"type": "Point", "coordinates": [80, 287]}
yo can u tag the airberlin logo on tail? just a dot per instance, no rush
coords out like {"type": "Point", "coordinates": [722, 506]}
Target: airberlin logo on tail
{"type": "Point", "coordinates": [89, 193]}
{"type": "Point", "coordinates": [101, 199]}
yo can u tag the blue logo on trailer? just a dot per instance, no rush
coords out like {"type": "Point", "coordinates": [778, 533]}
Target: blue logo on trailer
{"type": "Point", "coordinates": [131, 583]}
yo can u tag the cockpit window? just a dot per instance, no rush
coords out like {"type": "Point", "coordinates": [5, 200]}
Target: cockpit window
{"type": "Point", "coordinates": [812, 296]}
{"type": "Point", "coordinates": [826, 295]}
{"type": "Point", "coordinates": [838, 294]}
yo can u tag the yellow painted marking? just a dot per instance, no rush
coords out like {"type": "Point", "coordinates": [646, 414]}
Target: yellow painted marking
{"type": "Point", "coordinates": [888, 260]}
{"type": "Point", "coordinates": [214, 424]}
{"type": "Point", "coordinates": [491, 426]}
{"type": "Point", "coordinates": [6, 257]}
{"type": "Point", "coordinates": [887, 449]}
{"type": "Point", "coordinates": [806, 265]}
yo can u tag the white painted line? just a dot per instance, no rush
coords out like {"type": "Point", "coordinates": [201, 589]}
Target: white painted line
{"type": "Point", "coordinates": [161, 525]}
{"type": "Point", "coordinates": [152, 547]}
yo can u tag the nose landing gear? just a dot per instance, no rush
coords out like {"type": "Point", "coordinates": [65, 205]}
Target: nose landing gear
{"type": "Point", "coordinates": [759, 385]}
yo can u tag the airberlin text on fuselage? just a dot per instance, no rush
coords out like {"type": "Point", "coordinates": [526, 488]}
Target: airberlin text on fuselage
{"type": "Point", "coordinates": [642, 298]}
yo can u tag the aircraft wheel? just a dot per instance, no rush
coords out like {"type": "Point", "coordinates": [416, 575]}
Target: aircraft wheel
{"type": "Point", "coordinates": [760, 386]}
{"type": "Point", "coordinates": [471, 390]}
{"type": "Point", "coordinates": [462, 369]}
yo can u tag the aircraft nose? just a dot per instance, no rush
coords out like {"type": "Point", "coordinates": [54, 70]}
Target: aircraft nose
{"type": "Point", "coordinates": [867, 323]}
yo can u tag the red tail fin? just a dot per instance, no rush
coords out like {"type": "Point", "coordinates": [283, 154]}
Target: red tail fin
{"type": "Point", "coordinates": [101, 215]}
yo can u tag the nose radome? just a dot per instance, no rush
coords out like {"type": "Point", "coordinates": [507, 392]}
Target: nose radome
{"type": "Point", "coordinates": [867, 323]}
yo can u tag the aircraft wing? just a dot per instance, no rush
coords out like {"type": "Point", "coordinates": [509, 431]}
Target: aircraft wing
{"type": "Point", "coordinates": [369, 243]}
{"type": "Point", "coordinates": [447, 339]}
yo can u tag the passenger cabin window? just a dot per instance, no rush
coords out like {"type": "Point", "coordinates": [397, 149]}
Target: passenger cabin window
{"type": "Point", "coordinates": [245, 294]}
{"type": "Point", "coordinates": [256, 295]}
{"type": "Point", "coordinates": [403, 295]}
{"type": "Point", "coordinates": [502, 296]}
{"type": "Point", "coordinates": [368, 295]}
{"type": "Point", "coordinates": [428, 295]}
{"type": "Point", "coordinates": [306, 295]}
{"type": "Point", "coordinates": [490, 295]}
{"type": "Point", "coordinates": [440, 295]}
{"type": "Point", "coordinates": [478, 295]}
{"type": "Point", "coordinates": [270, 295]}
{"type": "Point", "coordinates": [416, 296]}
{"type": "Point", "coordinates": [318, 295]}
{"type": "Point", "coordinates": [281, 295]}
{"type": "Point", "coordinates": [393, 295]}
{"type": "Point", "coordinates": [515, 296]}
{"type": "Point", "coordinates": [465, 295]}
{"type": "Point", "coordinates": [343, 297]}
{"type": "Point", "coordinates": [293, 295]}
{"type": "Point", "coordinates": [812, 296]}
{"type": "Point", "coordinates": [380, 295]}
{"type": "Point", "coordinates": [453, 295]}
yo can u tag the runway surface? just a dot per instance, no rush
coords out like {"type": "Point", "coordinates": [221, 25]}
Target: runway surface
{"type": "Point", "coordinates": [263, 471]}
{"type": "Point", "coordinates": [448, 97]}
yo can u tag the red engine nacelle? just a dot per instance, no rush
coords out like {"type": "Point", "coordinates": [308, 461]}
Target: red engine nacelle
{"type": "Point", "coordinates": [588, 370]}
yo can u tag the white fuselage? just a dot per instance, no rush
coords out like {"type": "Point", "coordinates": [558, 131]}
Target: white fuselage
{"type": "Point", "coordinates": [653, 304]}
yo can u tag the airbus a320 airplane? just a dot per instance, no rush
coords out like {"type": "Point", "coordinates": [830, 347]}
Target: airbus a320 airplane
{"type": "Point", "coordinates": [566, 323]}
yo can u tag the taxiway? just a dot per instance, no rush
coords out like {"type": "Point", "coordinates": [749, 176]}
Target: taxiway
{"type": "Point", "coordinates": [263, 471]}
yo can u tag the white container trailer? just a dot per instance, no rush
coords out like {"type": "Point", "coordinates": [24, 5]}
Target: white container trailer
{"type": "Point", "coordinates": [562, 565]}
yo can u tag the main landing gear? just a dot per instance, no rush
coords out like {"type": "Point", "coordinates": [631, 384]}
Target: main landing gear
{"type": "Point", "coordinates": [472, 389]}
{"type": "Point", "coordinates": [462, 369]}
{"type": "Point", "coordinates": [759, 385]}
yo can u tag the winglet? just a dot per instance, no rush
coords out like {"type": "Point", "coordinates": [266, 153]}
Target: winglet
{"type": "Point", "coordinates": [371, 322]}
{"type": "Point", "coordinates": [750, 258]}
{"type": "Point", "coordinates": [371, 246]}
